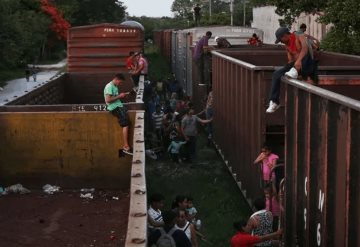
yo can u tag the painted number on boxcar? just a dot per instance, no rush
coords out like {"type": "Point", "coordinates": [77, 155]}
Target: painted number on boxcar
{"type": "Point", "coordinates": [320, 207]}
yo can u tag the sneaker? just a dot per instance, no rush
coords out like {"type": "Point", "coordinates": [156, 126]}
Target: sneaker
{"type": "Point", "coordinates": [292, 73]}
{"type": "Point", "coordinates": [272, 107]}
{"type": "Point", "coordinates": [128, 151]}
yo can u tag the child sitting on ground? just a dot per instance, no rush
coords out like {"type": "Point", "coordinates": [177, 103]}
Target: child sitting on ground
{"type": "Point", "coordinates": [155, 219]}
{"type": "Point", "coordinates": [174, 149]}
{"type": "Point", "coordinates": [268, 161]}
{"type": "Point", "coordinates": [191, 210]}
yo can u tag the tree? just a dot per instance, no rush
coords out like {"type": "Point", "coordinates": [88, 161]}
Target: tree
{"type": "Point", "coordinates": [342, 15]}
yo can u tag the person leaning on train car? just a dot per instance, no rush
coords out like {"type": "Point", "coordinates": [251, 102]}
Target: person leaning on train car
{"type": "Point", "coordinates": [116, 107]}
{"type": "Point", "coordinates": [260, 223]}
{"type": "Point", "coordinates": [299, 61]}
{"type": "Point", "coordinates": [201, 48]}
{"type": "Point", "coordinates": [222, 42]}
{"type": "Point", "coordinates": [244, 239]}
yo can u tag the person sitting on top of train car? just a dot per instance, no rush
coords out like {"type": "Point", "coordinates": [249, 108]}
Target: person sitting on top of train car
{"type": "Point", "coordinates": [222, 42]}
{"type": "Point", "coordinates": [244, 239]}
{"type": "Point", "coordinates": [116, 107]}
{"type": "Point", "coordinates": [299, 61]}
{"type": "Point", "coordinates": [315, 43]}
{"type": "Point", "coordinates": [260, 223]}
{"type": "Point", "coordinates": [254, 40]}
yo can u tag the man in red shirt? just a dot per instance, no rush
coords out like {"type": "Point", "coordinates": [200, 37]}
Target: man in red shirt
{"type": "Point", "coordinates": [243, 239]}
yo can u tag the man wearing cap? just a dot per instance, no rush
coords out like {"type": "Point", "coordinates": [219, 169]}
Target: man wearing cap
{"type": "Point", "coordinates": [299, 61]}
{"type": "Point", "coordinates": [222, 42]}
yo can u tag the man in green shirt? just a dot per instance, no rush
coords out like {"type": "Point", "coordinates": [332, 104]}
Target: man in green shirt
{"type": "Point", "coordinates": [116, 107]}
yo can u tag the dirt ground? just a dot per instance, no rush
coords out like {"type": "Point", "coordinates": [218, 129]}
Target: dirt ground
{"type": "Point", "coordinates": [64, 219]}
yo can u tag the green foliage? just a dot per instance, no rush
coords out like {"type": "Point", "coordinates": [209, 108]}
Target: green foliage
{"type": "Point", "coordinates": [23, 31]}
{"type": "Point", "coordinates": [85, 12]}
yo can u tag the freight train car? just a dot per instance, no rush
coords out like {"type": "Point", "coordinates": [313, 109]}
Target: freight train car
{"type": "Point", "coordinates": [322, 165]}
{"type": "Point", "coordinates": [241, 86]}
{"type": "Point", "coordinates": [60, 133]}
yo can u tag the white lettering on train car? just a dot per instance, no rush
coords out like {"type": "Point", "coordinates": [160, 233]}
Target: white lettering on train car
{"type": "Point", "coordinates": [305, 211]}
{"type": "Point", "coordinates": [321, 200]}
{"type": "Point", "coordinates": [318, 235]}
{"type": "Point", "coordinates": [305, 185]}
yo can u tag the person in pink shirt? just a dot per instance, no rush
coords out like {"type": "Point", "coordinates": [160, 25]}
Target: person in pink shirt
{"type": "Point", "coordinates": [268, 161]}
{"type": "Point", "coordinates": [273, 205]}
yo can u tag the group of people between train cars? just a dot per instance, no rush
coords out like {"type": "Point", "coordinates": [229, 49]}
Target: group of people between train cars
{"type": "Point", "coordinates": [263, 226]}
{"type": "Point", "coordinates": [178, 226]}
{"type": "Point", "coordinates": [171, 121]}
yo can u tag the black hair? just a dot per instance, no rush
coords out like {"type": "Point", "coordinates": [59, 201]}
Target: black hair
{"type": "Point", "coordinates": [168, 217]}
{"type": "Point", "coordinates": [260, 203]}
{"type": "Point", "coordinates": [156, 198]}
{"type": "Point", "coordinates": [208, 33]}
{"type": "Point", "coordinates": [254, 35]}
{"type": "Point", "coordinates": [179, 198]}
{"type": "Point", "coordinates": [303, 26]}
{"type": "Point", "coordinates": [131, 53]}
{"type": "Point", "coordinates": [120, 76]}
{"type": "Point", "coordinates": [238, 225]}
{"type": "Point", "coordinates": [267, 147]}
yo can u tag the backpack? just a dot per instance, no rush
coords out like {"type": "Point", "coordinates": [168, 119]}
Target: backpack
{"type": "Point", "coordinates": [166, 239]}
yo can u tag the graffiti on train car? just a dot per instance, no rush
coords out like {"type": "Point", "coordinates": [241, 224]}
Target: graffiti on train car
{"type": "Point", "coordinates": [119, 30]}
{"type": "Point", "coordinates": [82, 108]}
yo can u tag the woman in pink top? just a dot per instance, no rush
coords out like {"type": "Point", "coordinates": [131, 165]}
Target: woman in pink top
{"type": "Point", "coordinates": [268, 161]}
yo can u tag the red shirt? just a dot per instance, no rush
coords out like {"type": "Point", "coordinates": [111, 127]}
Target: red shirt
{"type": "Point", "coordinates": [129, 63]}
{"type": "Point", "coordinates": [291, 46]}
{"type": "Point", "coordinates": [242, 239]}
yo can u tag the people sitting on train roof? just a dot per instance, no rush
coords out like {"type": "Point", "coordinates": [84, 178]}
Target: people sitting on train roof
{"type": "Point", "coordinates": [254, 40]}
{"type": "Point", "coordinates": [222, 42]}
{"type": "Point", "coordinates": [116, 107]}
{"type": "Point", "coordinates": [260, 223]}
{"type": "Point", "coordinates": [244, 239]}
{"type": "Point", "coordinates": [300, 62]}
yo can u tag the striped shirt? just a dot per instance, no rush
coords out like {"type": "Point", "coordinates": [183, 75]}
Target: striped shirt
{"type": "Point", "coordinates": [158, 119]}
{"type": "Point", "coordinates": [155, 215]}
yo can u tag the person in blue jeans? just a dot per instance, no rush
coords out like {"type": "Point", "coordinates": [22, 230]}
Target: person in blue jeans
{"type": "Point", "coordinates": [300, 61]}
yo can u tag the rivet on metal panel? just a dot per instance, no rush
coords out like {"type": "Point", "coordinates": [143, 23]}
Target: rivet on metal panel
{"type": "Point", "coordinates": [140, 192]}
{"type": "Point", "coordinates": [138, 240]}
{"type": "Point", "coordinates": [139, 214]}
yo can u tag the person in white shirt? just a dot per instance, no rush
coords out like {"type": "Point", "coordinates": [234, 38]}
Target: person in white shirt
{"type": "Point", "coordinates": [155, 219]}
{"type": "Point", "coordinates": [188, 228]}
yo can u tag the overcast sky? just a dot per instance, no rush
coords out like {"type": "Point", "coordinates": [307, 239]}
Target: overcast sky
{"type": "Point", "coordinates": [151, 8]}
